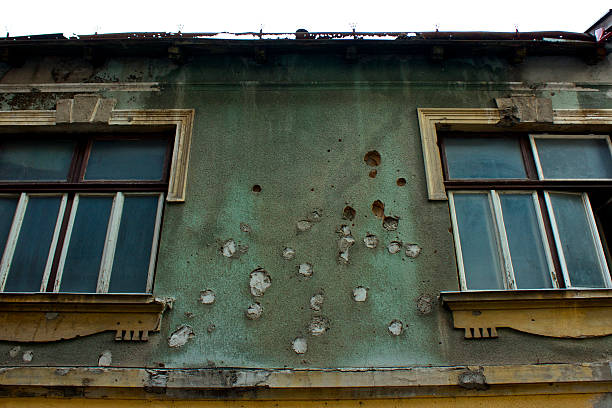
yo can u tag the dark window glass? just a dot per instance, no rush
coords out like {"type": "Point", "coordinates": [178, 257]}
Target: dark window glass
{"type": "Point", "coordinates": [484, 158]}
{"type": "Point", "coordinates": [33, 245]}
{"type": "Point", "coordinates": [86, 245]}
{"type": "Point", "coordinates": [574, 158]}
{"type": "Point", "coordinates": [133, 253]}
{"type": "Point", "coordinates": [8, 205]}
{"type": "Point", "coordinates": [127, 160]}
{"type": "Point", "coordinates": [35, 160]}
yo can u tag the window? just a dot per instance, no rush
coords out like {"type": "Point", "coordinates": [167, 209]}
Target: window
{"type": "Point", "coordinates": [529, 211]}
{"type": "Point", "coordinates": [81, 214]}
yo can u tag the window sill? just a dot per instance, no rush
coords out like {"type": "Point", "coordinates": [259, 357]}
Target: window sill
{"type": "Point", "coordinates": [43, 317]}
{"type": "Point", "coordinates": [563, 313]}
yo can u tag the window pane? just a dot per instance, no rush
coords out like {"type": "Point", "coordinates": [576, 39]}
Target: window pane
{"type": "Point", "coordinates": [479, 244]}
{"type": "Point", "coordinates": [577, 243]}
{"type": "Point", "coordinates": [127, 160]}
{"type": "Point", "coordinates": [86, 245]}
{"type": "Point", "coordinates": [33, 244]}
{"type": "Point", "coordinates": [133, 253]}
{"type": "Point", "coordinates": [35, 160]}
{"type": "Point", "coordinates": [527, 251]}
{"type": "Point", "coordinates": [7, 213]}
{"type": "Point", "coordinates": [574, 158]}
{"type": "Point", "coordinates": [484, 158]}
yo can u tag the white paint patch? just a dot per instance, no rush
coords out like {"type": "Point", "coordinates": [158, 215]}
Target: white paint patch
{"type": "Point", "coordinates": [396, 327]}
{"type": "Point", "coordinates": [304, 225]}
{"type": "Point", "coordinates": [28, 356]}
{"type": "Point", "coordinates": [316, 301]}
{"type": "Point", "coordinates": [360, 294]}
{"type": "Point", "coordinates": [394, 247]}
{"type": "Point", "coordinates": [305, 269]}
{"type": "Point", "coordinates": [254, 311]}
{"type": "Point", "coordinates": [412, 250]}
{"type": "Point", "coordinates": [288, 253]}
{"type": "Point", "coordinates": [14, 352]}
{"type": "Point", "coordinates": [318, 326]}
{"type": "Point", "coordinates": [207, 297]}
{"type": "Point", "coordinates": [105, 359]}
{"type": "Point", "coordinates": [229, 248]}
{"type": "Point", "coordinates": [180, 336]}
{"type": "Point", "coordinates": [370, 241]}
{"type": "Point", "coordinates": [299, 345]}
{"type": "Point", "coordinates": [260, 282]}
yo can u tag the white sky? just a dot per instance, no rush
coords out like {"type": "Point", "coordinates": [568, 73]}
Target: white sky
{"type": "Point", "coordinates": [23, 17]}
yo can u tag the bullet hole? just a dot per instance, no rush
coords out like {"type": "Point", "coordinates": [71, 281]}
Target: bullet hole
{"type": "Point", "coordinates": [207, 297]}
{"type": "Point", "coordinates": [424, 304]}
{"type": "Point", "coordinates": [378, 208]}
{"type": "Point", "coordinates": [211, 328]}
{"type": "Point", "coordinates": [312, 189]}
{"type": "Point", "coordinates": [256, 188]}
{"type": "Point", "coordinates": [328, 150]}
{"type": "Point", "coordinates": [180, 336]}
{"type": "Point", "coordinates": [229, 248]}
{"type": "Point", "coordinates": [28, 356]}
{"type": "Point", "coordinates": [254, 311]}
{"type": "Point", "coordinates": [394, 247]}
{"type": "Point", "coordinates": [401, 181]}
{"type": "Point", "coordinates": [390, 223]}
{"type": "Point", "coordinates": [260, 281]}
{"type": "Point", "coordinates": [339, 140]}
{"type": "Point", "coordinates": [318, 326]}
{"type": "Point", "coordinates": [299, 345]}
{"type": "Point", "coordinates": [105, 359]}
{"type": "Point", "coordinates": [304, 225]}
{"type": "Point", "coordinates": [372, 158]}
{"type": "Point", "coordinates": [316, 301]}
{"type": "Point", "coordinates": [14, 352]}
{"type": "Point", "coordinates": [360, 294]}
{"type": "Point", "coordinates": [396, 327]}
{"type": "Point", "coordinates": [373, 173]}
{"type": "Point", "coordinates": [349, 213]}
{"type": "Point", "coordinates": [316, 214]}
{"type": "Point", "coordinates": [305, 269]}
{"type": "Point", "coordinates": [412, 250]}
{"type": "Point", "coordinates": [244, 227]}
{"type": "Point", "coordinates": [288, 253]}
{"type": "Point", "coordinates": [344, 244]}
{"type": "Point", "coordinates": [370, 241]}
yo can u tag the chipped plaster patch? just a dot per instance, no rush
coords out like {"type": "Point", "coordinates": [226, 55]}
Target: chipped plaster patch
{"type": "Point", "coordinates": [28, 355]}
{"type": "Point", "coordinates": [396, 327]}
{"type": "Point", "coordinates": [260, 281]}
{"type": "Point", "coordinates": [412, 250]}
{"type": "Point", "coordinates": [180, 336]}
{"type": "Point", "coordinates": [288, 253]}
{"type": "Point", "coordinates": [318, 325]}
{"type": "Point", "coordinates": [316, 301]}
{"type": "Point", "coordinates": [305, 269]}
{"type": "Point", "coordinates": [424, 304]}
{"type": "Point", "coordinates": [303, 225]}
{"type": "Point", "coordinates": [229, 248]}
{"type": "Point", "coordinates": [207, 297]}
{"type": "Point", "coordinates": [344, 244]}
{"type": "Point", "coordinates": [244, 227]}
{"type": "Point", "coordinates": [370, 241]}
{"type": "Point", "coordinates": [390, 223]}
{"type": "Point", "coordinates": [105, 359]}
{"type": "Point", "coordinates": [299, 345]}
{"type": "Point", "coordinates": [14, 352]}
{"type": "Point", "coordinates": [254, 311]}
{"type": "Point", "coordinates": [360, 294]}
{"type": "Point", "coordinates": [394, 247]}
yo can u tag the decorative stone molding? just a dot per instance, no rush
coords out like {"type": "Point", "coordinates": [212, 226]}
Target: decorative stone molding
{"type": "Point", "coordinates": [42, 317]}
{"type": "Point", "coordinates": [93, 109]}
{"type": "Point", "coordinates": [431, 119]}
{"type": "Point", "coordinates": [564, 313]}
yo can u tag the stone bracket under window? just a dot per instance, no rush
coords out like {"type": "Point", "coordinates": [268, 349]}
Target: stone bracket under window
{"type": "Point", "coordinates": [43, 317]}
{"type": "Point", "coordinates": [562, 313]}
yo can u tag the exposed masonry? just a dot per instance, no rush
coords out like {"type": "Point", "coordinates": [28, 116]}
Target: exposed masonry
{"type": "Point", "coordinates": [318, 325]}
{"type": "Point", "coordinates": [229, 248]}
{"type": "Point", "coordinates": [473, 380]}
{"type": "Point", "coordinates": [180, 336]}
{"type": "Point", "coordinates": [396, 327]}
{"type": "Point", "coordinates": [344, 244]}
{"type": "Point", "coordinates": [254, 311]}
{"type": "Point", "coordinates": [105, 359]}
{"type": "Point", "coordinates": [299, 345]}
{"type": "Point", "coordinates": [288, 253]}
{"type": "Point", "coordinates": [259, 282]}
{"type": "Point", "coordinates": [305, 270]}
{"type": "Point", "coordinates": [316, 301]}
{"type": "Point", "coordinates": [394, 247]}
{"type": "Point", "coordinates": [207, 297]}
{"type": "Point", "coordinates": [28, 355]}
{"type": "Point", "coordinates": [412, 250]}
{"type": "Point", "coordinates": [360, 294]}
{"type": "Point", "coordinates": [370, 241]}
{"type": "Point", "coordinates": [390, 223]}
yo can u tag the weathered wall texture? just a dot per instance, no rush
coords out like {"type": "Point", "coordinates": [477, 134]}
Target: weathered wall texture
{"type": "Point", "coordinates": [277, 157]}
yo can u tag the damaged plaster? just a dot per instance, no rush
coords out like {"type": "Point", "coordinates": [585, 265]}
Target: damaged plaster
{"type": "Point", "coordinates": [288, 253]}
{"type": "Point", "coordinates": [394, 247]}
{"type": "Point", "coordinates": [360, 294]}
{"type": "Point", "coordinates": [370, 241]}
{"type": "Point", "coordinates": [412, 250]}
{"type": "Point", "coordinates": [316, 301]}
{"type": "Point", "coordinates": [207, 297]}
{"type": "Point", "coordinates": [254, 311]}
{"type": "Point", "coordinates": [105, 359]}
{"type": "Point", "coordinates": [181, 336]}
{"type": "Point", "coordinates": [344, 244]}
{"type": "Point", "coordinates": [318, 325]}
{"type": "Point", "coordinates": [259, 282]}
{"type": "Point", "coordinates": [305, 270]}
{"type": "Point", "coordinates": [396, 327]}
{"type": "Point", "coordinates": [299, 345]}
